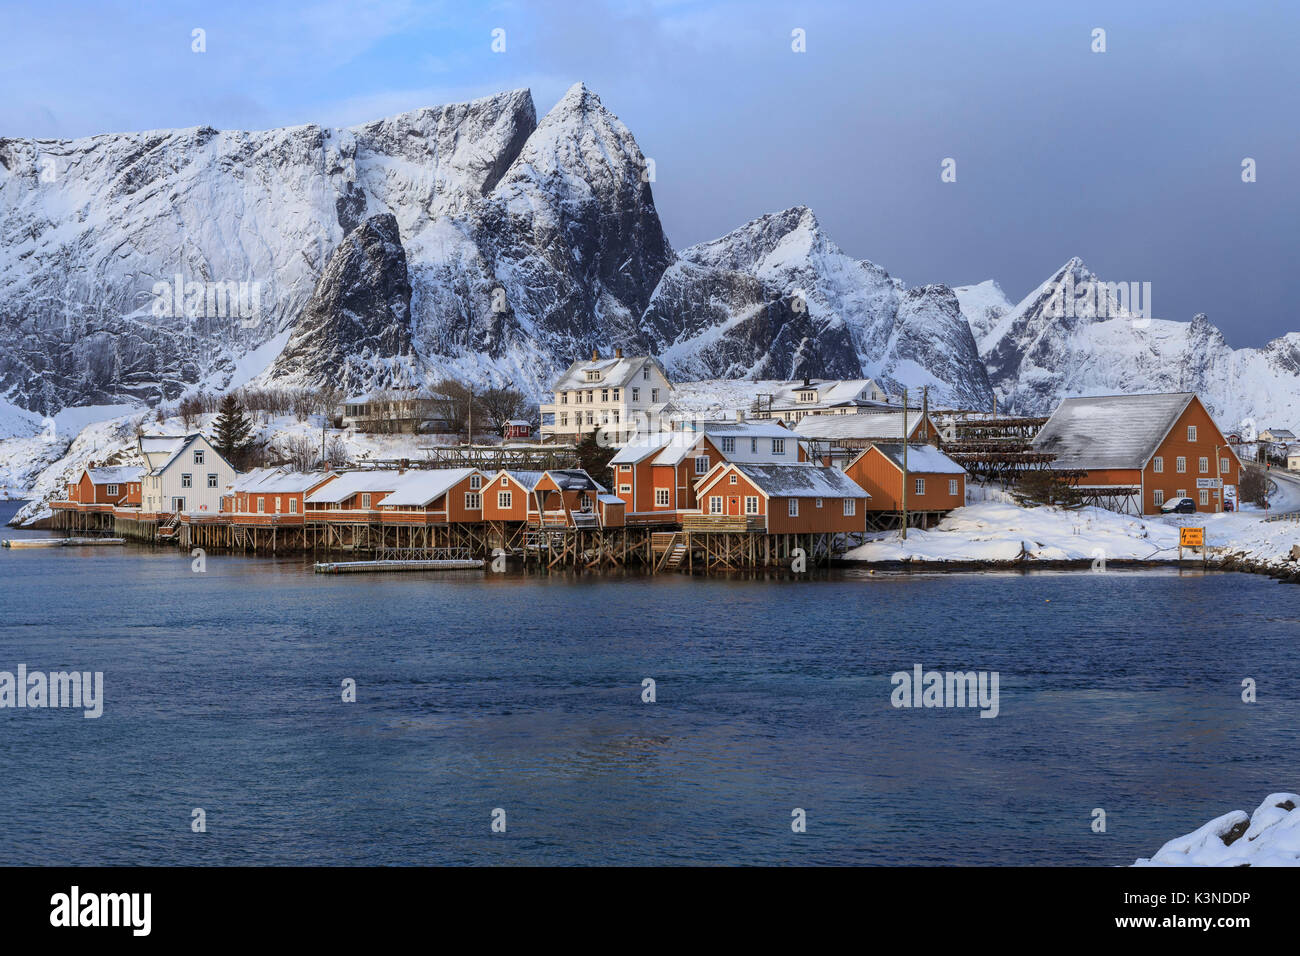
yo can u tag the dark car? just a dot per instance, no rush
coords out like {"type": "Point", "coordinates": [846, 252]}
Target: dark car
{"type": "Point", "coordinates": [1178, 506]}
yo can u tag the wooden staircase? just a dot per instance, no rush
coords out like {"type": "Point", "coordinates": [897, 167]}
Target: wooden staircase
{"type": "Point", "coordinates": [674, 558]}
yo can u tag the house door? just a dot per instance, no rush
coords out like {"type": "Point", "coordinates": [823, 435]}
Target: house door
{"type": "Point", "coordinates": [178, 504]}
{"type": "Point", "coordinates": [733, 506]}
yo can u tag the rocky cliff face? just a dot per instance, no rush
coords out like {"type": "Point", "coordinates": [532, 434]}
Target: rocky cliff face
{"type": "Point", "coordinates": [136, 266]}
{"type": "Point", "coordinates": [355, 331]}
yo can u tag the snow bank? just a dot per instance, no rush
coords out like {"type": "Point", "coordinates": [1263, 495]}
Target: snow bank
{"type": "Point", "coordinates": [1269, 837]}
{"type": "Point", "coordinates": [999, 530]}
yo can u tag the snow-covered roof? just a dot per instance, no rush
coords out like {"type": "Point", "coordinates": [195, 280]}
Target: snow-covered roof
{"type": "Point", "coordinates": [1281, 434]}
{"type": "Point", "coordinates": [868, 425]}
{"type": "Point", "coordinates": [115, 474]}
{"type": "Point", "coordinates": [574, 479]}
{"type": "Point", "coordinates": [418, 488]}
{"type": "Point", "coordinates": [278, 481]}
{"type": "Point", "coordinates": [160, 444]}
{"type": "Point", "coordinates": [921, 458]}
{"type": "Point", "coordinates": [641, 447]}
{"type": "Point", "coordinates": [744, 429]}
{"type": "Point", "coordinates": [798, 481]}
{"type": "Point", "coordinates": [520, 422]}
{"type": "Point", "coordinates": [829, 391]}
{"type": "Point", "coordinates": [528, 479]}
{"type": "Point", "coordinates": [614, 373]}
{"type": "Point", "coordinates": [1109, 431]}
{"type": "Point", "coordinates": [608, 499]}
{"type": "Point", "coordinates": [348, 483]}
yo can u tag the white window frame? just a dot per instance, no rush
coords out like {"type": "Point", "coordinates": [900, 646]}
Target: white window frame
{"type": "Point", "coordinates": [505, 500]}
{"type": "Point", "coordinates": [1180, 465]}
{"type": "Point", "coordinates": [365, 501]}
{"type": "Point", "coordinates": [212, 479]}
{"type": "Point", "coordinates": [701, 464]}
{"type": "Point", "coordinates": [473, 501]}
{"type": "Point", "coordinates": [1158, 497]}
{"type": "Point", "coordinates": [1205, 496]}
{"type": "Point", "coordinates": [110, 489]}
{"type": "Point", "coordinates": [918, 486]}
{"type": "Point", "coordinates": [1158, 465]}
{"type": "Point", "coordinates": [1191, 433]}
{"type": "Point", "coordinates": [293, 506]}
{"type": "Point", "coordinates": [715, 505]}
{"type": "Point", "coordinates": [751, 504]}
{"type": "Point", "coordinates": [1204, 464]}
{"type": "Point", "coordinates": [850, 507]}
{"type": "Point", "coordinates": [261, 504]}
{"type": "Point", "coordinates": [729, 445]}
{"type": "Point", "coordinates": [475, 482]}
{"type": "Point", "coordinates": [778, 446]}
{"type": "Point", "coordinates": [794, 507]}
{"type": "Point", "coordinates": [662, 497]}
{"type": "Point", "coordinates": [198, 456]}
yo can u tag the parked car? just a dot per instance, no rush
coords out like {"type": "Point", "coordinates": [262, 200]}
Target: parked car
{"type": "Point", "coordinates": [1178, 506]}
{"type": "Point", "coordinates": [1228, 505]}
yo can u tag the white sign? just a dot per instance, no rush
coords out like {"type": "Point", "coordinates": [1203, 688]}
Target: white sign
{"type": "Point", "coordinates": [1208, 482]}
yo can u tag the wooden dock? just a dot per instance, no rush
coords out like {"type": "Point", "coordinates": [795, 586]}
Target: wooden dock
{"type": "Point", "coordinates": [436, 564]}
{"type": "Point", "coordinates": [58, 542]}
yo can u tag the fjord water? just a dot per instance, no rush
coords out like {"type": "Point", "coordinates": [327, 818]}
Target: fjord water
{"type": "Point", "coordinates": [1119, 691]}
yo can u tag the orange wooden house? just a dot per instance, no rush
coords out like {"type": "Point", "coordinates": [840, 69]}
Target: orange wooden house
{"type": "Point", "coordinates": [435, 496]}
{"type": "Point", "coordinates": [351, 497]}
{"type": "Point", "coordinates": [655, 474]}
{"type": "Point", "coordinates": [1137, 452]}
{"type": "Point", "coordinates": [935, 483]}
{"type": "Point", "coordinates": [117, 485]}
{"type": "Point", "coordinates": [272, 495]}
{"type": "Point", "coordinates": [781, 499]}
{"type": "Point", "coordinates": [560, 497]}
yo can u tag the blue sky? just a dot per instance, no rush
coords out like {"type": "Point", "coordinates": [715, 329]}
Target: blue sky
{"type": "Point", "coordinates": [1130, 159]}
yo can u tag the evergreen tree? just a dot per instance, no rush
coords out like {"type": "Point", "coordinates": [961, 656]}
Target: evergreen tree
{"type": "Point", "coordinates": [593, 458]}
{"type": "Point", "coordinates": [234, 431]}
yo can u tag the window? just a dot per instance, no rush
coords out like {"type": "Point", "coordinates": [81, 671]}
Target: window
{"type": "Point", "coordinates": [654, 395]}
{"type": "Point", "coordinates": [1180, 464]}
{"type": "Point", "coordinates": [1205, 496]}
{"type": "Point", "coordinates": [212, 480]}
{"type": "Point", "coordinates": [564, 419]}
{"type": "Point", "coordinates": [715, 505]}
{"type": "Point", "coordinates": [473, 501]}
{"type": "Point", "coordinates": [728, 446]}
{"type": "Point", "coordinates": [475, 482]}
{"type": "Point", "coordinates": [1158, 465]}
{"type": "Point", "coordinates": [293, 506]}
{"type": "Point", "coordinates": [952, 486]}
{"type": "Point", "coordinates": [591, 418]}
{"type": "Point", "coordinates": [751, 504]}
{"type": "Point", "coordinates": [198, 457]}
{"type": "Point", "coordinates": [604, 395]}
{"type": "Point", "coordinates": [187, 481]}
{"type": "Point", "coordinates": [920, 486]}
{"type": "Point", "coordinates": [593, 375]}
{"type": "Point", "coordinates": [261, 506]}
{"type": "Point", "coordinates": [850, 506]}
{"type": "Point", "coordinates": [111, 490]}
{"type": "Point", "coordinates": [735, 480]}
{"type": "Point", "coordinates": [645, 373]}
{"type": "Point", "coordinates": [636, 394]}
{"type": "Point", "coordinates": [661, 497]}
{"type": "Point", "coordinates": [616, 395]}
{"type": "Point", "coordinates": [807, 396]}
{"type": "Point", "coordinates": [365, 501]}
{"type": "Point", "coordinates": [505, 480]}
{"type": "Point", "coordinates": [701, 464]}
{"type": "Point", "coordinates": [564, 398]}
{"type": "Point", "coordinates": [753, 445]}
{"type": "Point", "coordinates": [624, 468]}
{"type": "Point", "coordinates": [1205, 466]}
{"type": "Point", "coordinates": [503, 499]}
{"type": "Point", "coordinates": [794, 507]}
{"type": "Point", "coordinates": [1158, 497]}
{"type": "Point", "coordinates": [778, 446]}
{"type": "Point", "coordinates": [1191, 433]}
{"type": "Point", "coordinates": [624, 489]}
{"type": "Point", "coordinates": [1225, 464]}
{"type": "Point", "coordinates": [1182, 493]}
{"type": "Point", "coordinates": [277, 504]}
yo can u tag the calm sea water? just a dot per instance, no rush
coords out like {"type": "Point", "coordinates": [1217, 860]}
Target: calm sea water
{"type": "Point", "coordinates": [1118, 690]}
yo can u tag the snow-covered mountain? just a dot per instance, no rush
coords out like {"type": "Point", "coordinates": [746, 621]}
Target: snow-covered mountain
{"type": "Point", "coordinates": [1038, 353]}
{"type": "Point", "coordinates": [472, 240]}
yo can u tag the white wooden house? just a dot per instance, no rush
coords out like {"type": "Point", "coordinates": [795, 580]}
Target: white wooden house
{"type": "Point", "coordinates": [183, 475]}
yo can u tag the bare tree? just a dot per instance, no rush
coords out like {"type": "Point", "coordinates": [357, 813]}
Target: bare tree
{"type": "Point", "coordinates": [501, 404]}
{"type": "Point", "coordinates": [455, 404]}
{"type": "Point", "coordinates": [297, 451]}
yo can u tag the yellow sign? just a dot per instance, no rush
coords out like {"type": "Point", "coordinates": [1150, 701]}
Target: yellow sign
{"type": "Point", "coordinates": [1191, 537]}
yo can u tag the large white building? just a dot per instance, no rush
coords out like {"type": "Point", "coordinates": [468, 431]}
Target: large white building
{"type": "Point", "coordinates": [182, 475]}
{"type": "Point", "coordinates": [621, 394]}
{"type": "Point", "coordinates": [795, 400]}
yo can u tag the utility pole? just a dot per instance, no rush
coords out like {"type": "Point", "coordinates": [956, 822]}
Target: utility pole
{"type": "Point", "coordinates": [904, 463]}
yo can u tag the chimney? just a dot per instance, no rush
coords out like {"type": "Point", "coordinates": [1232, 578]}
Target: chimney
{"type": "Point", "coordinates": [594, 355]}
{"type": "Point", "coordinates": [740, 414]}
{"type": "Point", "coordinates": [618, 353]}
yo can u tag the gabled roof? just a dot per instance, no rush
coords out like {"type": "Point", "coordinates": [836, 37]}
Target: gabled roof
{"type": "Point", "coordinates": [829, 391]}
{"type": "Point", "coordinates": [115, 474]}
{"type": "Point", "coordinates": [178, 449]}
{"type": "Point", "coordinates": [417, 489]}
{"type": "Point", "coordinates": [527, 479]}
{"type": "Point", "coordinates": [1110, 431]}
{"type": "Point", "coordinates": [349, 483]}
{"type": "Point", "coordinates": [793, 481]}
{"type": "Point", "coordinates": [745, 429]}
{"type": "Point", "coordinates": [160, 444]}
{"type": "Point", "coordinates": [615, 373]}
{"type": "Point", "coordinates": [921, 458]}
{"type": "Point", "coordinates": [868, 425]}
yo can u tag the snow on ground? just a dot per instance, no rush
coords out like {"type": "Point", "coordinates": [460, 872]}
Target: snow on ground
{"type": "Point", "coordinates": [992, 530]}
{"type": "Point", "coordinates": [1269, 837]}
